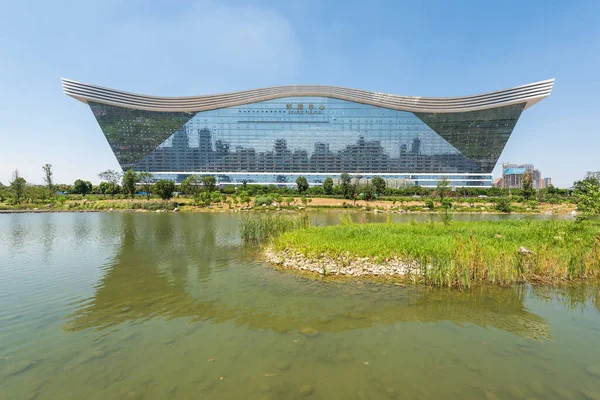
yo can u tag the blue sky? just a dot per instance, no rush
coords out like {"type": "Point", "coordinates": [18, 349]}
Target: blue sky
{"type": "Point", "coordinates": [435, 48]}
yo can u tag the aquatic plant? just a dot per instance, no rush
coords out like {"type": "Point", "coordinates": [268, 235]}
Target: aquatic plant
{"type": "Point", "coordinates": [261, 227]}
{"type": "Point", "coordinates": [346, 219]}
{"type": "Point", "coordinates": [463, 254]}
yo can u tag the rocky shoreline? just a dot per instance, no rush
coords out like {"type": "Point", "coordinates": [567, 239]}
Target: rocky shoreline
{"type": "Point", "coordinates": [345, 265]}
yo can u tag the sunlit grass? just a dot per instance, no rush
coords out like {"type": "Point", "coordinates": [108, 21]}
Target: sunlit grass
{"type": "Point", "coordinates": [464, 253]}
{"type": "Point", "coordinates": [261, 227]}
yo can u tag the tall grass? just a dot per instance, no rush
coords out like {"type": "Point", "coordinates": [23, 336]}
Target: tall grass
{"type": "Point", "coordinates": [262, 227]}
{"type": "Point", "coordinates": [463, 254]}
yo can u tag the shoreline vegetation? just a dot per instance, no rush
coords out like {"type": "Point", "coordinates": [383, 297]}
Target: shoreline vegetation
{"type": "Point", "coordinates": [232, 203]}
{"type": "Point", "coordinates": [454, 254]}
{"type": "Point", "coordinates": [138, 191]}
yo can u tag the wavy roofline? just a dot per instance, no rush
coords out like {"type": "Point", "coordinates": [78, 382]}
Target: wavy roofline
{"type": "Point", "coordinates": [528, 94]}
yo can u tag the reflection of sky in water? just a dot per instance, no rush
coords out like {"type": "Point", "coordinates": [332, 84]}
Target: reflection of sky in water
{"type": "Point", "coordinates": [391, 128]}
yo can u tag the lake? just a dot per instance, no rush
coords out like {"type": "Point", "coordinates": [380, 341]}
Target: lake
{"type": "Point", "coordinates": [156, 305]}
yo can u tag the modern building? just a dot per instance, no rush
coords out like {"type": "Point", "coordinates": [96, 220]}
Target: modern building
{"type": "Point", "coordinates": [512, 176]}
{"type": "Point", "coordinates": [547, 182]}
{"type": "Point", "coordinates": [273, 135]}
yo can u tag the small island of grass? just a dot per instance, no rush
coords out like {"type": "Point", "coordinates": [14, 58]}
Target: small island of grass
{"type": "Point", "coordinates": [459, 254]}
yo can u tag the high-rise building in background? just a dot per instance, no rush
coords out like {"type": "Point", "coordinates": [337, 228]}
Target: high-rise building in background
{"type": "Point", "coordinates": [273, 135]}
{"type": "Point", "coordinates": [512, 176]}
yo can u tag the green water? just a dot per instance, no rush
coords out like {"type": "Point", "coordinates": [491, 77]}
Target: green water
{"type": "Point", "coordinates": [156, 306]}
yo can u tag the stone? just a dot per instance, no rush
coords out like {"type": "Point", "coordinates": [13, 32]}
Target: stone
{"type": "Point", "coordinates": [306, 390]}
{"type": "Point", "coordinates": [265, 387]}
{"type": "Point", "coordinates": [525, 251]}
{"type": "Point", "coordinates": [590, 394]}
{"type": "Point", "coordinates": [18, 368]}
{"type": "Point", "coordinates": [206, 386]}
{"type": "Point", "coordinates": [284, 365]}
{"type": "Point", "coordinates": [536, 388]}
{"type": "Point", "coordinates": [490, 395]}
{"type": "Point", "coordinates": [473, 367]}
{"type": "Point", "coordinates": [310, 332]}
{"type": "Point", "coordinates": [344, 357]}
{"type": "Point", "coordinates": [515, 393]}
{"type": "Point", "coordinates": [563, 394]}
{"type": "Point", "coordinates": [593, 370]}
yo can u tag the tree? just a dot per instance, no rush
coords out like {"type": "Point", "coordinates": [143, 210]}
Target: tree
{"type": "Point", "coordinates": [191, 185]}
{"type": "Point", "coordinates": [104, 187]}
{"type": "Point", "coordinates": [379, 184]}
{"type": "Point", "coordinates": [302, 184]}
{"type": "Point", "coordinates": [503, 204]}
{"type": "Point", "coordinates": [164, 189]}
{"type": "Point", "coordinates": [82, 187]}
{"type": "Point", "coordinates": [146, 178]}
{"type": "Point", "coordinates": [587, 193]}
{"type": "Point", "coordinates": [3, 192]}
{"type": "Point", "coordinates": [215, 197]}
{"type": "Point", "coordinates": [130, 179]}
{"type": "Point", "coordinates": [443, 189]}
{"type": "Point", "coordinates": [328, 185]}
{"type": "Point", "coordinates": [244, 197]}
{"type": "Point", "coordinates": [346, 186]}
{"type": "Point", "coordinates": [17, 185]}
{"type": "Point", "coordinates": [48, 178]}
{"type": "Point", "coordinates": [112, 178]}
{"type": "Point", "coordinates": [209, 183]}
{"type": "Point", "coordinates": [368, 192]}
{"type": "Point", "coordinates": [527, 188]}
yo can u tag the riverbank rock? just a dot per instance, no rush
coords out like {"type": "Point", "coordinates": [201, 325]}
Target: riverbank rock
{"type": "Point", "coordinates": [525, 251]}
{"type": "Point", "coordinates": [346, 264]}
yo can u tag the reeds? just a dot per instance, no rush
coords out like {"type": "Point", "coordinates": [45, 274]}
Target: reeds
{"type": "Point", "coordinates": [464, 254]}
{"type": "Point", "coordinates": [262, 227]}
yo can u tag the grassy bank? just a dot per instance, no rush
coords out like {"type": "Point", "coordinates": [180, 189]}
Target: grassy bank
{"type": "Point", "coordinates": [461, 254]}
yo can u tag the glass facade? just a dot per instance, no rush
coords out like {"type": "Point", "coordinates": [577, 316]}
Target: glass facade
{"type": "Point", "coordinates": [275, 141]}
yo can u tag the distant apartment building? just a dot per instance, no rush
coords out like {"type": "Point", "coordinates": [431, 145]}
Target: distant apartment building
{"type": "Point", "coordinates": [512, 176]}
{"type": "Point", "coordinates": [547, 182]}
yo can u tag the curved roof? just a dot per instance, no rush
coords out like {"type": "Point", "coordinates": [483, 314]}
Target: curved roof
{"type": "Point", "coordinates": [529, 94]}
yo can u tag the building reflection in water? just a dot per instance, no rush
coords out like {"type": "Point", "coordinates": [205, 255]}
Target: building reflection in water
{"type": "Point", "coordinates": [193, 266]}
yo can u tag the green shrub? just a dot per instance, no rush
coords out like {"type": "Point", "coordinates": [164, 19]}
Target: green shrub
{"type": "Point", "coordinates": [429, 204]}
{"type": "Point", "coordinates": [262, 200]}
{"type": "Point", "coordinates": [503, 205]}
